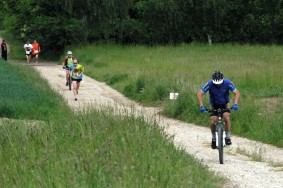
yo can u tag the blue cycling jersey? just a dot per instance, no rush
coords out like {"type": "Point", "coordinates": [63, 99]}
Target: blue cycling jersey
{"type": "Point", "coordinates": [219, 95]}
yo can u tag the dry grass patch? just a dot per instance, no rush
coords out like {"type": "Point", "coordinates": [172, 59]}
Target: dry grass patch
{"type": "Point", "coordinates": [271, 103]}
{"type": "Point", "coordinates": [29, 124]}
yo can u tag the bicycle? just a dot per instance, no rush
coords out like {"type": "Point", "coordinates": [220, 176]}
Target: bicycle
{"type": "Point", "coordinates": [219, 129]}
{"type": "Point", "coordinates": [69, 80]}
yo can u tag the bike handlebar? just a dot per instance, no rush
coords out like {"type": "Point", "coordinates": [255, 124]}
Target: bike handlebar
{"type": "Point", "coordinates": [218, 110]}
{"type": "Point", "coordinates": [66, 68]}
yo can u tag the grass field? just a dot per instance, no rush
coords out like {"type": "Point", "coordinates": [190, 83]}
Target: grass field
{"type": "Point", "coordinates": [149, 74]}
{"type": "Point", "coordinates": [98, 149]}
{"type": "Point", "coordinates": [43, 144]}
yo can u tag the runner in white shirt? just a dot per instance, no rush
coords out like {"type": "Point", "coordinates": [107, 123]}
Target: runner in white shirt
{"type": "Point", "coordinates": [28, 49]}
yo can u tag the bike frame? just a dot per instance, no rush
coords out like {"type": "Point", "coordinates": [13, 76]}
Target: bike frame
{"type": "Point", "coordinates": [69, 79]}
{"type": "Point", "coordinates": [219, 129]}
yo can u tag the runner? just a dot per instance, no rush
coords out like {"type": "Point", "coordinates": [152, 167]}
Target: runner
{"type": "Point", "coordinates": [4, 50]}
{"type": "Point", "coordinates": [28, 49]}
{"type": "Point", "coordinates": [35, 51]}
{"type": "Point", "coordinates": [77, 71]}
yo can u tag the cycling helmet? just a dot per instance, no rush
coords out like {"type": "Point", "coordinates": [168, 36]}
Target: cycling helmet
{"type": "Point", "coordinates": [217, 77]}
{"type": "Point", "coordinates": [69, 53]}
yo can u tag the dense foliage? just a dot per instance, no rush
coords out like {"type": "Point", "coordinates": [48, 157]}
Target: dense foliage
{"type": "Point", "coordinates": [64, 22]}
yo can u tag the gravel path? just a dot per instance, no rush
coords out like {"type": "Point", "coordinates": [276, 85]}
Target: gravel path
{"type": "Point", "coordinates": [240, 167]}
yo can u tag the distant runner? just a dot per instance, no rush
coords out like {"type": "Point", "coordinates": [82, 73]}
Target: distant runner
{"type": "Point", "coordinates": [4, 53]}
{"type": "Point", "coordinates": [28, 51]}
{"type": "Point", "coordinates": [35, 51]}
{"type": "Point", "coordinates": [77, 71]}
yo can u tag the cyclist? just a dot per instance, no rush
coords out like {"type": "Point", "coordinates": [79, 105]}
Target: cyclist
{"type": "Point", "coordinates": [67, 62]}
{"type": "Point", "coordinates": [35, 51]}
{"type": "Point", "coordinates": [219, 88]}
{"type": "Point", "coordinates": [77, 71]}
{"type": "Point", "coordinates": [28, 49]}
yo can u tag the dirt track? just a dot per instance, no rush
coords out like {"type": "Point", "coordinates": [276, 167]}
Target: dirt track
{"type": "Point", "coordinates": [239, 168]}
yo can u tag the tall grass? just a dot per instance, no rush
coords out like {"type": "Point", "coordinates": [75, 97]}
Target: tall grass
{"type": "Point", "coordinates": [25, 95]}
{"type": "Point", "coordinates": [148, 74]}
{"type": "Point", "coordinates": [97, 150]}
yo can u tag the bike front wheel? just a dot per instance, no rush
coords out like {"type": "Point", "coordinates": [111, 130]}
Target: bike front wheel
{"type": "Point", "coordinates": [70, 82]}
{"type": "Point", "coordinates": [220, 145]}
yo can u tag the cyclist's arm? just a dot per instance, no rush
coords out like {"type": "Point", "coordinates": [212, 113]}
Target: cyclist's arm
{"type": "Point", "coordinates": [64, 62]}
{"type": "Point", "coordinates": [199, 95]}
{"type": "Point", "coordinates": [201, 92]}
{"type": "Point", "coordinates": [237, 96]}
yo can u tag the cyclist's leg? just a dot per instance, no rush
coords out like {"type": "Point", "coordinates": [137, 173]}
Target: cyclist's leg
{"type": "Point", "coordinates": [67, 74]}
{"type": "Point", "coordinates": [212, 125]}
{"type": "Point", "coordinates": [213, 119]}
{"type": "Point", "coordinates": [226, 117]}
{"type": "Point", "coordinates": [212, 128]}
{"type": "Point", "coordinates": [66, 70]}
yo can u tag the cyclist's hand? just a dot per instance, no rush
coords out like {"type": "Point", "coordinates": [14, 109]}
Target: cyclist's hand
{"type": "Point", "coordinates": [202, 109]}
{"type": "Point", "coordinates": [235, 107]}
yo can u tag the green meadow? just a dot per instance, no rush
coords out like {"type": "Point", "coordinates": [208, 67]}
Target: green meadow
{"type": "Point", "coordinates": [149, 74]}
{"type": "Point", "coordinates": [44, 144]}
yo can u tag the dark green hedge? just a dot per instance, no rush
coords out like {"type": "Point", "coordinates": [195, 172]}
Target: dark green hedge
{"type": "Point", "coordinates": [63, 22]}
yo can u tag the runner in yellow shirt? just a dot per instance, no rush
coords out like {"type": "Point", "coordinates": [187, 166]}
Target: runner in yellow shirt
{"type": "Point", "coordinates": [76, 71]}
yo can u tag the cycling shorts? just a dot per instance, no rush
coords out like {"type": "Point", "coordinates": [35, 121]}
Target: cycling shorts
{"type": "Point", "coordinates": [222, 106]}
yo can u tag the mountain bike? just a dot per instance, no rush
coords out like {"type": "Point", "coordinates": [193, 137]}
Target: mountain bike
{"type": "Point", "coordinates": [219, 129]}
{"type": "Point", "coordinates": [69, 80]}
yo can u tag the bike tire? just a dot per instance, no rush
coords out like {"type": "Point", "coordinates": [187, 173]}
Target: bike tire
{"type": "Point", "coordinates": [220, 146]}
{"type": "Point", "coordinates": [70, 82]}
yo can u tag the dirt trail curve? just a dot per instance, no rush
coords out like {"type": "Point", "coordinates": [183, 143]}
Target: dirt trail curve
{"type": "Point", "coordinates": [239, 168]}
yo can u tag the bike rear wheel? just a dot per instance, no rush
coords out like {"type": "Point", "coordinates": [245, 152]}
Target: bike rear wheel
{"type": "Point", "coordinates": [220, 145]}
{"type": "Point", "coordinates": [70, 82]}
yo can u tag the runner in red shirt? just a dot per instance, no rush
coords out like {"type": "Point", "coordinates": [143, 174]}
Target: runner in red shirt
{"type": "Point", "coordinates": [35, 51]}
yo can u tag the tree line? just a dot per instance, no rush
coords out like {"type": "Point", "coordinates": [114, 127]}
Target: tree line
{"type": "Point", "coordinates": [57, 23]}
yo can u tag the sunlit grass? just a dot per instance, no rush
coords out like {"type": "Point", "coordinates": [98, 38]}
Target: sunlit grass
{"type": "Point", "coordinates": [96, 150]}
{"type": "Point", "coordinates": [149, 74]}
{"type": "Point", "coordinates": [48, 145]}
